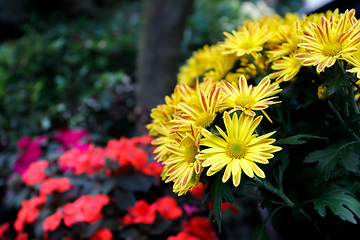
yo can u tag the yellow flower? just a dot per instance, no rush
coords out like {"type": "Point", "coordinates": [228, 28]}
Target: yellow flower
{"type": "Point", "coordinates": [330, 40]}
{"type": "Point", "coordinates": [247, 40]}
{"type": "Point", "coordinates": [355, 61]}
{"type": "Point", "coordinates": [182, 167]}
{"type": "Point", "coordinates": [198, 115]}
{"type": "Point", "coordinates": [287, 68]}
{"type": "Point", "coordinates": [238, 150]}
{"type": "Point", "coordinates": [248, 98]}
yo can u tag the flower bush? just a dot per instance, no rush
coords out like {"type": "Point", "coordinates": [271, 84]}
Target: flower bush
{"type": "Point", "coordinates": [91, 192]}
{"type": "Point", "coordinates": [301, 74]}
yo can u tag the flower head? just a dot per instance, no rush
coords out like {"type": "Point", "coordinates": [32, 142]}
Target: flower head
{"type": "Point", "coordinates": [53, 221]}
{"type": "Point", "coordinates": [329, 40]}
{"type": "Point", "coordinates": [238, 150]}
{"type": "Point", "coordinates": [248, 98]}
{"type": "Point", "coordinates": [35, 173]}
{"type": "Point", "coordinates": [247, 40]}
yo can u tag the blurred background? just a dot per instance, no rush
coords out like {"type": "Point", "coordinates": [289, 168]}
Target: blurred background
{"type": "Point", "coordinates": [101, 65]}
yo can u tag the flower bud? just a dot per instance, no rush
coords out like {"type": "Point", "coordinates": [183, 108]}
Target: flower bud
{"type": "Point", "coordinates": [322, 93]}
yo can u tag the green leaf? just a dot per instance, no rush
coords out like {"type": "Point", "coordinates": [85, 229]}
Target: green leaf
{"type": "Point", "coordinates": [132, 182]}
{"type": "Point", "coordinates": [329, 157]}
{"type": "Point", "coordinates": [296, 140]}
{"type": "Point", "coordinates": [124, 200]}
{"type": "Point", "coordinates": [340, 201]}
{"type": "Point", "coordinates": [218, 191]}
{"type": "Point", "coordinates": [334, 82]}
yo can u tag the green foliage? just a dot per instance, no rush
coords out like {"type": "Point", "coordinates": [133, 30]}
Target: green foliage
{"type": "Point", "coordinates": [329, 158]}
{"type": "Point", "coordinates": [72, 74]}
{"type": "Point", "coordinates": [340, 201]}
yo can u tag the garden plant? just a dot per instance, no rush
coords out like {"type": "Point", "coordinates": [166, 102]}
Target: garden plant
{"type": "Point", "coordinates": [268, 116]}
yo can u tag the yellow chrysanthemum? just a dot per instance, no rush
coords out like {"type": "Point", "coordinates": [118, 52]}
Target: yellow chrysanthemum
{"type": "Point", "coordinates": [182, 167]}
{"type": "Point", "coordinates": [354, 60]}
{"type": "Point", "coordinates": [248, 98]}
{"type": "Point", "coordinates": [287, 68]}
{"type": "Point", "coordinates": [248, 40]}
{"type": "Point", "coordinates": [238, 150]}
{"type": "Point", "coordinates": [198, 115]}
{"type": "Point", "coordinates": [329, 41]}
{"type": "Point", "coordinates": [200, 62]}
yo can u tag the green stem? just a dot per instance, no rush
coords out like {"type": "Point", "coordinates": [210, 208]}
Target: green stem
{"type": "Point", "coordinates": [342, 121]}
{"type": "Point", "coordinates": [268, 186]}
{"type": "Point", "coordinates": [352, 100]}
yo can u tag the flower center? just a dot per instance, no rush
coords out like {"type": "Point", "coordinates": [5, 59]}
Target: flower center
{"type": "Point", "coordinates": [243, 101]}
{"type": "Point", "coordinates": [332, 49]}
{"type": "Point", "coordinates": [247, 45]}
{"type": "Point", "coordinates": [236, 149]}
{"type": "Point", "coordinates": [190, 153]}
{"type": "Point", "coordinates": [204, 120]}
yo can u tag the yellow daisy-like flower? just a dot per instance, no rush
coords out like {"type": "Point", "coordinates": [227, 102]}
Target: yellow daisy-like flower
{"type": "Point", "coordinates": [182, 167]}
{"type": "Point", "coordinates": [198, 115]}
{"type": "Point", "coordinates": [355, 61]}
{"type": "Point", "coordinates": [248, 98]}
{"type": "Point", "coordinates": [238, 150]}
{"type": "Point", "coordinates": [329, 41]}
{"type": "Point", "coordinates": [287, 68]}
{"type": "Point", "coordinates": [247, 40]}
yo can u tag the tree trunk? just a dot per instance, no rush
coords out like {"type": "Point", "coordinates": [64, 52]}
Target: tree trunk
{"type": "Point", "coordinates": [159, 52]}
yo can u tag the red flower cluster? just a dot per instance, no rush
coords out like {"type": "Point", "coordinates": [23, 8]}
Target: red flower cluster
{"type": "Point", "coordinates": [53, 221]}
{"type": "Point", "coordinates": [83, 161]}
{"type": "Point", "coordinates": [35, 173]}
{"type": "Point", "coordinates": [126, 151]}
{"type": "Point", "coordinates": [51, 185]}
{"type": "Point", "coordinates": [198, 227]}
{"type": "Point", "coordinates": [3, 228]}
{"type": "Point", "coordinates": [144, 212]}
{"type": "Point", "coordinates": [86, 208]}
{"type": "Point", "coordinates": [28, 212]}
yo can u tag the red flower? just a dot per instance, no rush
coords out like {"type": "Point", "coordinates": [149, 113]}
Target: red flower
{"type": "Point", "coordinates": [142, 140]}
{"type": "Point", "coordinates": [22, 236]}
{"type": "Point", "coordinates": [89, 161]}
{"type": "Point", "coordinates": [198, 191]}
{"type": "Point", "coordinates": [200, 227]}
{"type": "Point", "coordinates": [28, 212]}
{"type": "Point", "coordinates": [35, 173]}
{"type": "Point", "coordinates": [55, 184]}
{"type": "Point", "coordinates": [3, 228]}
{"type": "Point", "coordinates": [126, 152]}
{"type": "Point", "coordinates": [87, 208]}
{"type": "Point", "coordinates": [152, 169]}
{"type": "Point", "coordinates": [183, 236]}
{"type": "Point", "coordinates": [168, 208]}
{"type": "Point", "coordinates": [142, 212]}
{"type": "Point", "coordinates": [225, 206]}
{"type": "Point", "coordinates": [102, 234]}
{"type": "Point", "coordinates": [53, 221]}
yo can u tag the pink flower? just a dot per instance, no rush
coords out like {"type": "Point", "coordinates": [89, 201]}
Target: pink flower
{"type": "Point", "coordinates": [30, 152]}
{"type": "Point", "coordinates": [72, 138]}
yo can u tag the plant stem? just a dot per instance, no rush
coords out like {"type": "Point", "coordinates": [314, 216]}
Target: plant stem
{"type": "Point", "coordinates": [268, 186]}
{"type": "Point", "coordinates": [342, 121]}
